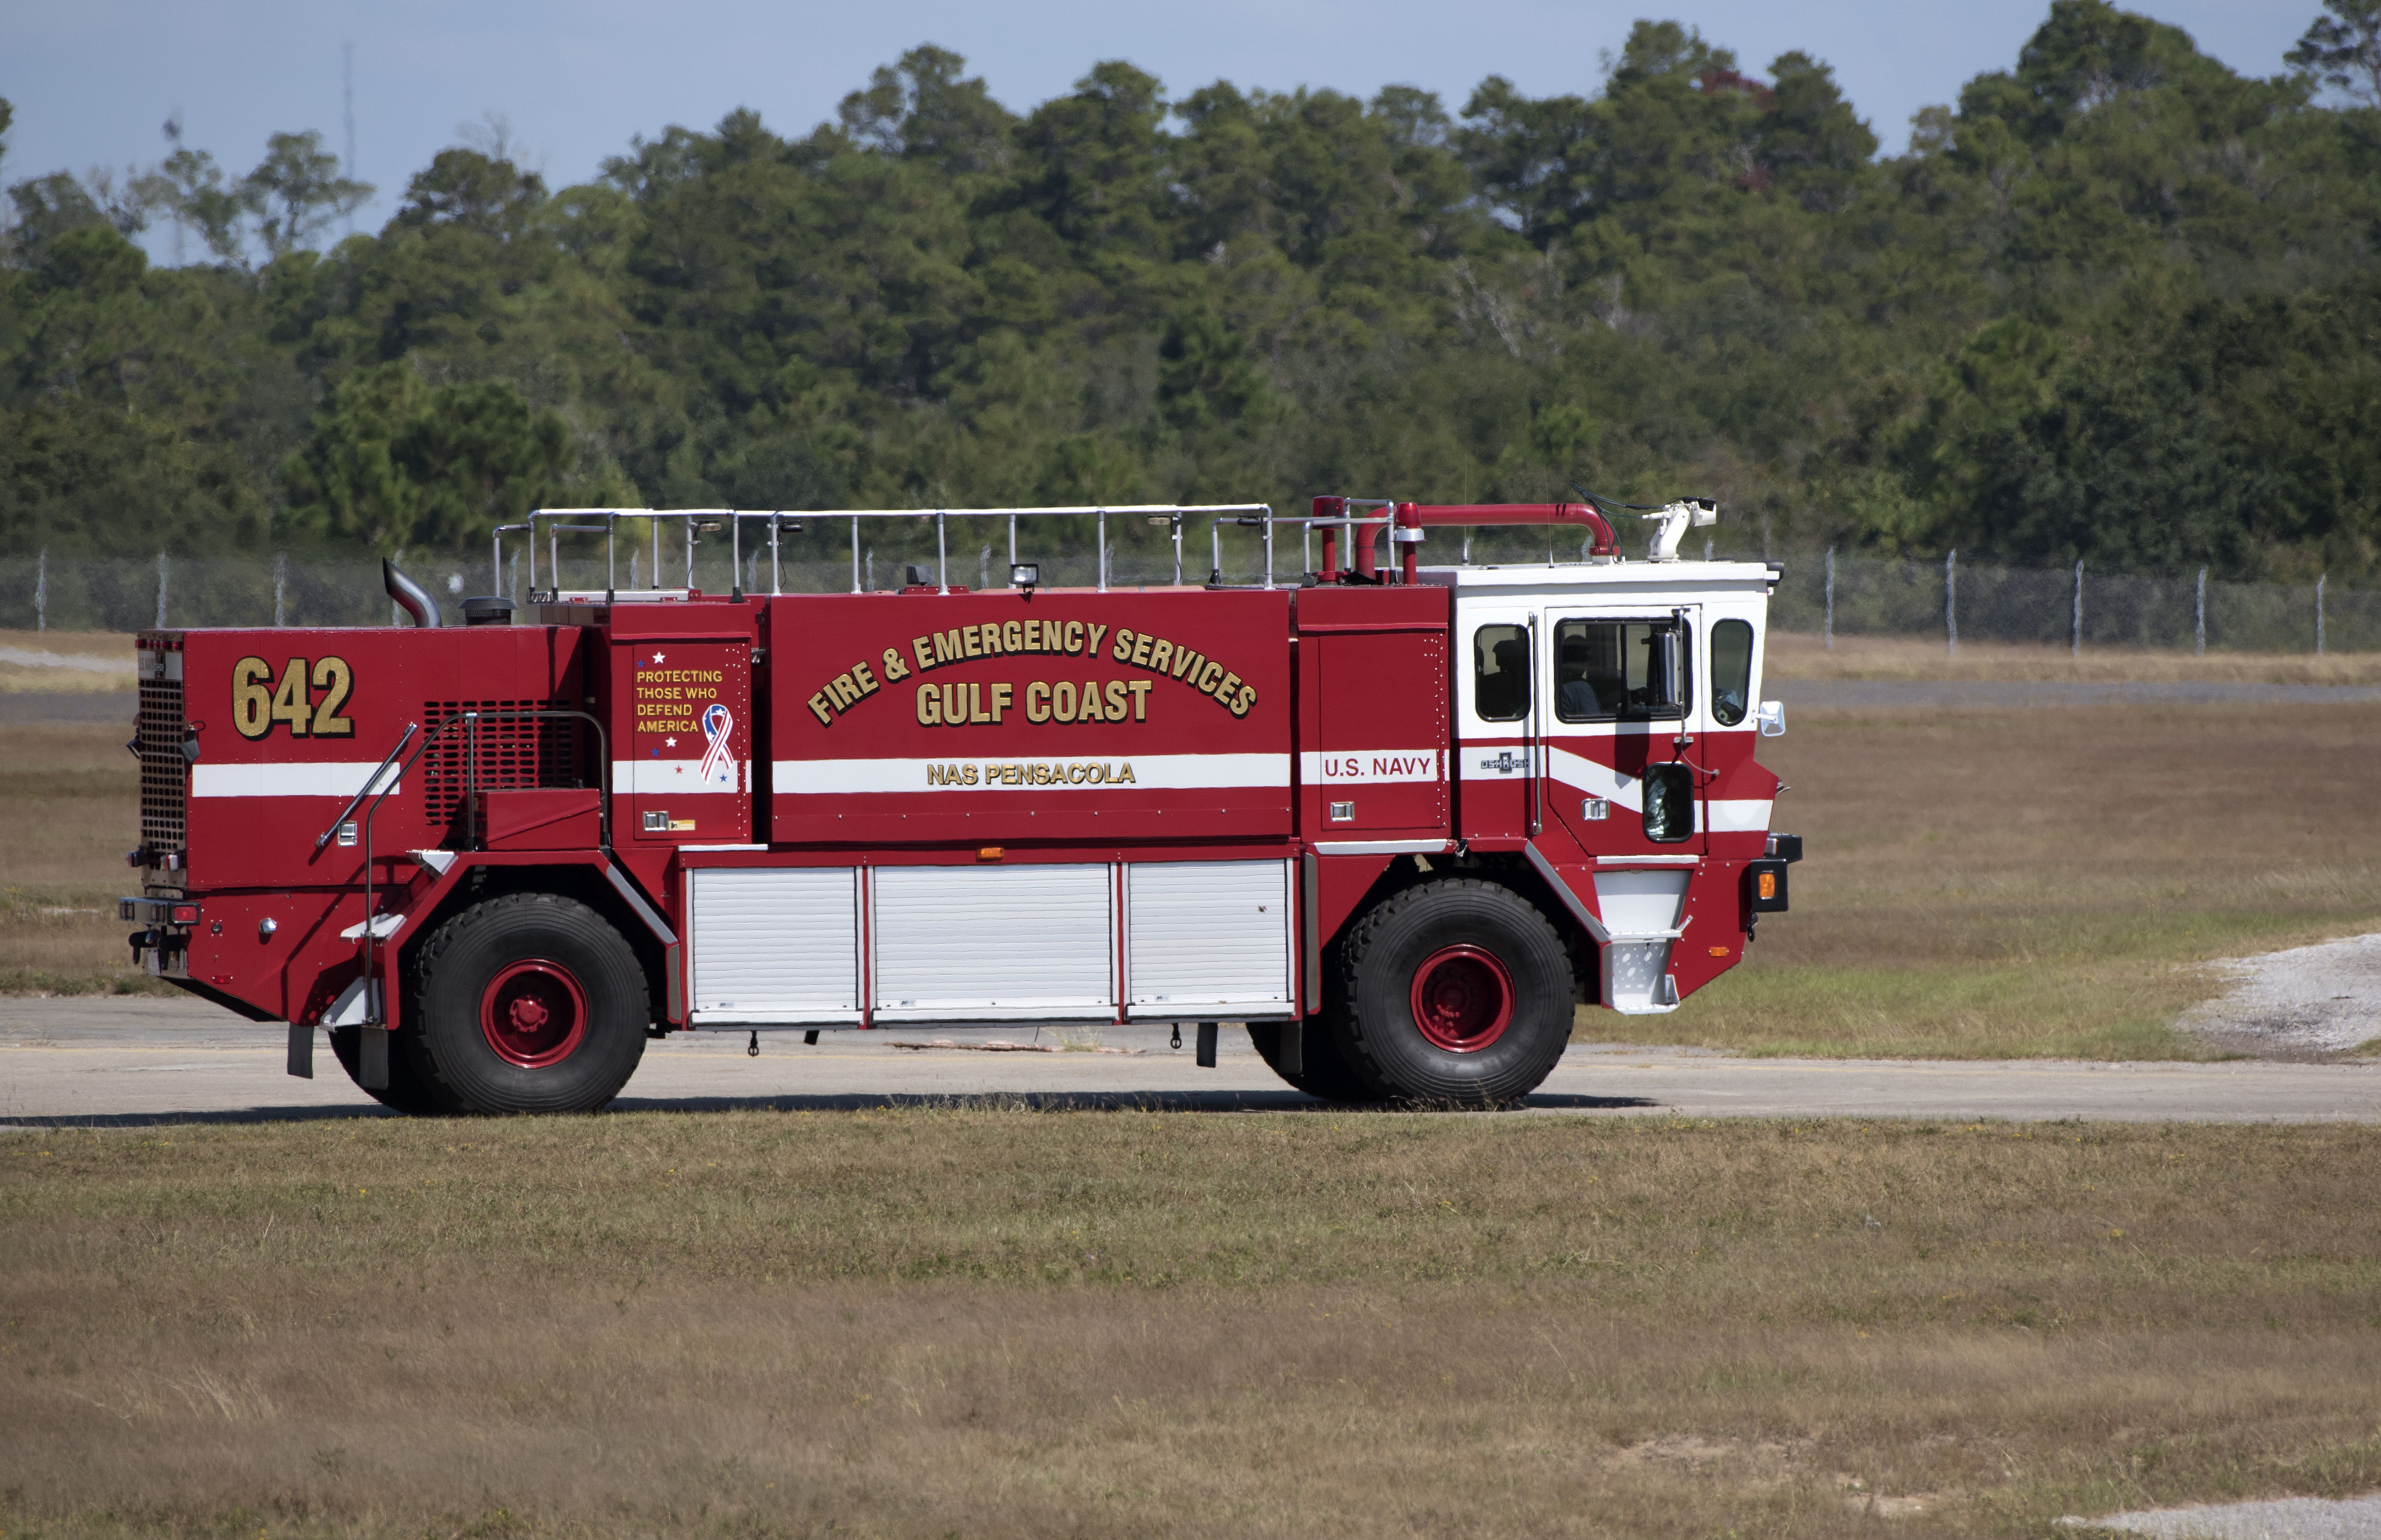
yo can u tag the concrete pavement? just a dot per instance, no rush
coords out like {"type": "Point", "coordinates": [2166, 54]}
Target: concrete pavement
{"type": "Point", "coordinates": [126, 1063]}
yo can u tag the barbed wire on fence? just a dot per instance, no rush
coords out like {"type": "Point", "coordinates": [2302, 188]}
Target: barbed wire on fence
{"type": "Point", "coordinates": [1826, 593]}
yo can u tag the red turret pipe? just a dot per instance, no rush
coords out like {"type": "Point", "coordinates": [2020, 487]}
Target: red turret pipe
{"type": "Point", "coordinates": [1330, 507]}
{"type": "Point", "coordinates": [1417, 516]}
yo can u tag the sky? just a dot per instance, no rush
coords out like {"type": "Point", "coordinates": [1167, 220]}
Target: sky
{"type": "Point", "coordinates": [93, 81]}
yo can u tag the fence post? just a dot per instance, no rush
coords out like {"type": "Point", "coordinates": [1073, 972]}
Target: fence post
{"type": "Point", "coordinates": [2318, 612]}
{"type": "Point", "coordinates": [280, 575]}
{"type": "Point", "coordinates": [1951, 602]}
{"type": "Point", "coordinates": [2076, 648]}
{"type": "Point", "coordinates": [1827, 630]}
{"type": "Point", "coordinates": [2199, 629]}
{"type": "Point", "coordinates": [160, 591]}
{"type": "Point", "coordinates": [42, 592]}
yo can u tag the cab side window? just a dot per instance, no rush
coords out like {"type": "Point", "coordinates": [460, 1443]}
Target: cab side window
{"type": "Point", "coordinates": [1618, 670]}
{"type": "Point", "coordinates": [1731, 657]}
{"type": "Point", "coordinates": [1500, 672]}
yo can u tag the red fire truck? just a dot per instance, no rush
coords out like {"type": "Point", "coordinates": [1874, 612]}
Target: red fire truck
{"type": "Point", "coordinates": [1397, 819]}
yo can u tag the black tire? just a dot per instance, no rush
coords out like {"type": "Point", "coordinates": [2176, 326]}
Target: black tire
{"type": "Point", "coordinates": [1460, 945]}
{"type": "Point", "coordinates": [528, 1003]}
{"type": "Point", "coordinates": [410, 1089]}
{"type": "Point", "coordinates": [1325, 1073]}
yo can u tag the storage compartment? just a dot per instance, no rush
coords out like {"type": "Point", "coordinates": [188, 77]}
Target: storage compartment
{"type": "Point", "coordinates": [1208, 938]}
{"type": "Point", "coordinates": [994, 943]}
{"type": "Point", "coordinates": [774, 945]}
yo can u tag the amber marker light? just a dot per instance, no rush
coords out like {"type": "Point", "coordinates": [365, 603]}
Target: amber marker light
{"type": "Point", "coordinates": [989, 852]}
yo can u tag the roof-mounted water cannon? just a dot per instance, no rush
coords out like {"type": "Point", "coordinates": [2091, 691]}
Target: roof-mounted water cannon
{"type": "Point", "coordinates": [1413, 519]}
{"type": "Point", "coordinates": [1672, 520]}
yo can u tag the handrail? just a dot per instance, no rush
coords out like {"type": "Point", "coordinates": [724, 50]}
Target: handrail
{"type": "Point", "coordinates": [370, 781]}
{"type": "Point", "coordinates": [471, 764]}
{"type": "Point", "coordinates": [1405, 521]}
{"type": "Point", "coordinates": [1242, 512]}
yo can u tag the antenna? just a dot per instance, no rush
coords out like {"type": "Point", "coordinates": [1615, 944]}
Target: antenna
{"type": "Point", "coordinates": [347, 107]}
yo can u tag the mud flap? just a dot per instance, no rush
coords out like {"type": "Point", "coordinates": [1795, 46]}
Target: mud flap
{"type": "Point", "coordinates": [301, 1051]}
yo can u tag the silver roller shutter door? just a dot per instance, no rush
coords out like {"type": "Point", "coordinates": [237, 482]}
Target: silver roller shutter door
{"type": "Point", "coordinates": [1208, 936]}
{"type": "Point", "coordinates": [774, 945]}
{"type": "Point", "coordinates": [994, 943]}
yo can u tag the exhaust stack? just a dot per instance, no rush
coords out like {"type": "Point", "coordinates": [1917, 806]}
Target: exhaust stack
{"type": "Point", "coordinates": [411, 596]}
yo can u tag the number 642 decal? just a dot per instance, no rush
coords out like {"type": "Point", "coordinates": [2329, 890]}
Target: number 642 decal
{"type": "Point", "coordinates": [258, 702]}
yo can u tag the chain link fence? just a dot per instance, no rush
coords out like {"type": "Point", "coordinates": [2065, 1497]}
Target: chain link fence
{"type": "Point", "coordinates": [2076, 607]}
{"type": "Point", "coordinates": [1823, 593]}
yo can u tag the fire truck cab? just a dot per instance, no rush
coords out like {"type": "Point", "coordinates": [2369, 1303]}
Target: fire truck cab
{"type": "Point", "coordinates": [1399, 820]}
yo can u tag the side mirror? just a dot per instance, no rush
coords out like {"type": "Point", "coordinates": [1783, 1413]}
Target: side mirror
{"type": "Point", "coordinates": [1664, 684]}
{"type": "Point", "coordinates": [1772, 718]}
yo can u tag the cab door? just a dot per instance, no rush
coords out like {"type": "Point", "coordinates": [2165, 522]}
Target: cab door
{"type": "Point", "coordinates": [1498, 713]}
{"type": "Point", "coordinates": [1623, 729]}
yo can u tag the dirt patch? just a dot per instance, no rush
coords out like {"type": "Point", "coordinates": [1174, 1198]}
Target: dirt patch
{"type": "Point", "coordinates": [2308, 1003]}
{"type": "Point", "coordinates": [78, 662]}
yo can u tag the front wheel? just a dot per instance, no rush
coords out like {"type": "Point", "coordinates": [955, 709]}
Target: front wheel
{"type": "Point", "coordinates": [1456, 992]}
{"type": "Point", "coordinates": [410, 1089]}
{"type": "Point", "coordinates": [530, 1003]}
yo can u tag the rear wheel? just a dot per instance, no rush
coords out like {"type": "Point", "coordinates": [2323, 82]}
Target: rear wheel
{"type": "Point", "coordinates": [1324, 1073]}
{"type": "Point", "coordinates": [530, 1003]}
{"type": "Point", "coordinates": [1455, 992]}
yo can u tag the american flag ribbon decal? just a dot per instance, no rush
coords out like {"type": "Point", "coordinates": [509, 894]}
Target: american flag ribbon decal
{"type": "Point", "coordinates": [716, 723]}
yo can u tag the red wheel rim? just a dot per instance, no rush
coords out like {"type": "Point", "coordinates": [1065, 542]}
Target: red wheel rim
{"type": "Point", "coordinates": [1462, 998]}
{"type": "Point", "coordinates": [533, 1014]}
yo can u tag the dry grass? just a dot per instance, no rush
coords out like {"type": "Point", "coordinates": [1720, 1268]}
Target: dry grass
{"type": "Point", "coordinates": [996, 1322]}
{"type": "Point", "coordinates": [2013, 884]}
{"type": "Point", "coordinates": [26, 661]}
{"type": "Point", "coordinates": [69, 808]}
{"type": "Point", "coordinates": [1795, 656]}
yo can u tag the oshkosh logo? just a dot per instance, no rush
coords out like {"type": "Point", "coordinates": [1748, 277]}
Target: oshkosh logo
{"type": "Point", "coordinates": [1505, 763]}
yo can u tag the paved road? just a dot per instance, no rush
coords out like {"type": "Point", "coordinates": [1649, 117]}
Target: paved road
{"type": "Point", "coordinates": [133, 1062]}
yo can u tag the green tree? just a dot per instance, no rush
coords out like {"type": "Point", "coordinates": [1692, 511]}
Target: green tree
{"type": "Point", "coordinates": [2343, 49]}
{"type": "Point", "coordinates": [396, 461]}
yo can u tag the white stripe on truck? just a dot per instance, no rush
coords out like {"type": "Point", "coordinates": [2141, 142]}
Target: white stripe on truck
{"type": "Point", "coordinates": [288, 778]}
{"type": "Point", "coordinates": [1162, 772]}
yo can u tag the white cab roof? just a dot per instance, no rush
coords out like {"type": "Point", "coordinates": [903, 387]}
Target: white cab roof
{"type": "Point", "coordinates": [1606, 576]}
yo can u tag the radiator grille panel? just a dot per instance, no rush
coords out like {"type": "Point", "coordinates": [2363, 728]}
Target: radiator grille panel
{"type": "Point", "coordinates": [513, 751]}
{"type": "Point", "coordinates": [164, 772]}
